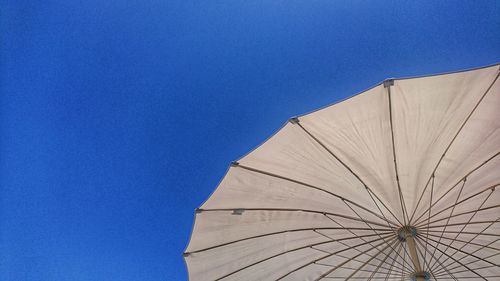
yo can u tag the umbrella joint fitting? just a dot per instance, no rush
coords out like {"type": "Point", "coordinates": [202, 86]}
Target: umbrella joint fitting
{"type": "Point", "coordinates": [422, 275]}
{"type": "Point", "coordinates": [406, 231]}
{"type": "Point", "coordinates": [388, 82]}
{"type": "Point", "coordinates": [294, 120]}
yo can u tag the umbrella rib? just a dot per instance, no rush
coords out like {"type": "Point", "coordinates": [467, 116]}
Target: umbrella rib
{"type": "Point", "coordinates": [474, 261]}
{"type": "Point", "coordinates": [348, 168]}
{"type": "Point", "coordinates": [482, 247]}
{"type": "Point", "coordinates": [465, 225]}
{"type": "Point", "coordinates": [346, 267]}
{"type": "Point", "coordinates": [311, 186]}
{"type": "Point", "coordinates": [476, 235]}
{"type": "Point", "coordinates": [452, 210]}
{"type": "Point", "coordinates": [482, 267]}
{"type": "Point", "coordinates": [472, 243]}
{"type": "Point", "coordinates": [392, 265]}
{"type": "Point", "coordinates": [440, 263]}
{"type": "Point", "coordinates": [360, 278]}
{"type": "Point", "coordinates": [429, 218]}
{"type": "Point", "coordinates": [453, 140]}
{"type": "Point", "coordinates": [467, 232]}
{"type": "Point", "coordinates": [335, 268]}
{"type": "Point", "coordinates": [379, 246]}
{"type": "Point", "coordinates": [380, 210]}
{"type": "Point", "coordinates": [329, 255]}
{"type": "Point", "coordinates": [358, 215]}
{"type": "Point", "coordinates": [456, 184]}
{"type": "Point", "coordinates": [465, 199]}
{"type": "Point", "coordinates": [366, 222]}
{"type": "Point", "coordinates": [355, 234]}
{"type": "Point", "coordinates": [270, 234]}
{"type": "Point", "coordinates": [467, 263]}
{"type": "Point", "coordinates": [457, 215]}
{"type": "Point", "coordinates": [491, 276]}
{"type": "Point", "coordinates": [401, 198]}
{"type": "Point", "coordinates": [404, 259]}
{"type": "Point", "coordinates": [290, 210]}
{"type": "Point", "coordinates": [380, 264]}
{"type": "Point", "coordinates": [369, 260]}
{"type": "Point", "coordinates": [465, 266]}
{"type": "Point", "coordinates": [342, 256]}
{"type": "Point", "coordinates": [468, 254]}
{"type": "Point", "coordinates": [458, 223]}
{"type": "Point", "coordinates": [425, 261]}
{"type": "Point", "coordinates": [311, 246]}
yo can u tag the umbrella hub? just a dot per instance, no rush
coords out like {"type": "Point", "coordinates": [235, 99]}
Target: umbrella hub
{"type": "Point", "coordinates": [422, 275]}
{"type": "Point", "coordinates": [408, 234]}
{"type": "Point", "coordinates": [406, 231]}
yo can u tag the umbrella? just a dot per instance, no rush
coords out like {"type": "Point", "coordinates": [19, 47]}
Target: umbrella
{"type": "Point", "coordinates": [397, 182]}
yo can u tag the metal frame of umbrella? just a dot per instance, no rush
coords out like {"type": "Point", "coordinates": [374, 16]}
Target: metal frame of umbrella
{"type": "Point", "coordinates": [382, 239]}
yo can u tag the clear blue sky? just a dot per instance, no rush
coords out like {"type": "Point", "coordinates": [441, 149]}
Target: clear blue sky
{"type": "Point", "coordinates": [118, 118]}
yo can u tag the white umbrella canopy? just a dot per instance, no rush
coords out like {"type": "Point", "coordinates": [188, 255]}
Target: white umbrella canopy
{"type": "Point", "coordinates": [394, 183]}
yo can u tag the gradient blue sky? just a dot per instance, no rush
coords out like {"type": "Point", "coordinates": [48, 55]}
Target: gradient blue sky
{"type": "Point", "coordinates": [118, 118]}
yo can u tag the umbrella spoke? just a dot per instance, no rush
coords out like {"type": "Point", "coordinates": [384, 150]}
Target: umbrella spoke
{"type": "Point", "coordinates": [468, 232]}
{"type": "Point", "coordinates": [350, 170]}
{"type": "Point", "coordinates": [477, 268]}
{"type": "Point", "coordinates": [492, 187]}
{"type": "Point", "coordinates": [296, 227]}
{"type": "Point", "coordinates": [440, 263]}
{"type": "Point", "coordinates": [456, 184]}
{"type": "Point", "coordinates": [366, 222]}
{"type": "Point", "coordinates": [463, 265]}
{"type": "Point", "coordinates": [338, 266]}
{"type": "Point", "coordinates": [462, 278]}
{"type": "Point", "coordinates": [270, 234]}
{"type": "Point", "coordinates": [362, 278]}
{"type": "Point", "coordinates": [392, 265]}
{"type": "Point", "coordinates": [387, 85]}
{"type": "Point", "coordinates": [458, 224]}
{"type": "Point", "coordinates": [459, 250]}
{"type": "Point", "coordinates": [475, 236]}
{"type": "Point", "coordinates": [449, 217]}
{"type": "Point", "coordinates": [329, 255]}
{"type": "Point", "coordinates": [380, 210]}
{"type": "Point", "coordinates": [345, 257]}
{"type": "Point", "coordinates": [457, 215]}
{"type": "Point", "coordinates": [472, 243]}
{"type": "Point", "coordinates": [353, 233]}
{"type": "Point", "coordinates": [369, 260]}
{"type": "Point", "coordinates": [428, 219]}
{"type": "Point", "coordinates": [453, 140]}
{"type": "Point", "coordinates": [347, 267]}
{"type": "Point", "coordinates": [290, 251]}
{"type": "Point", "coordinates": [474, 261]}
{"type": "Point", "coordinates": [465, 225]}
{"type": "Point", "coordinates": [404, 258]}
{"type": "Point", "coordinates": [380, 264]}
{"type": "Point", "coordinates": [291, 210]}
{"type": "Point", "coordinates": [311, 186]}
{"type": "Point", "coordinates": [426, 263]}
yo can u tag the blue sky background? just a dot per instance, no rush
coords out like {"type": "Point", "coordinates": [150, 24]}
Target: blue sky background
{"type": "Point", "coordinates": [118, 118]}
